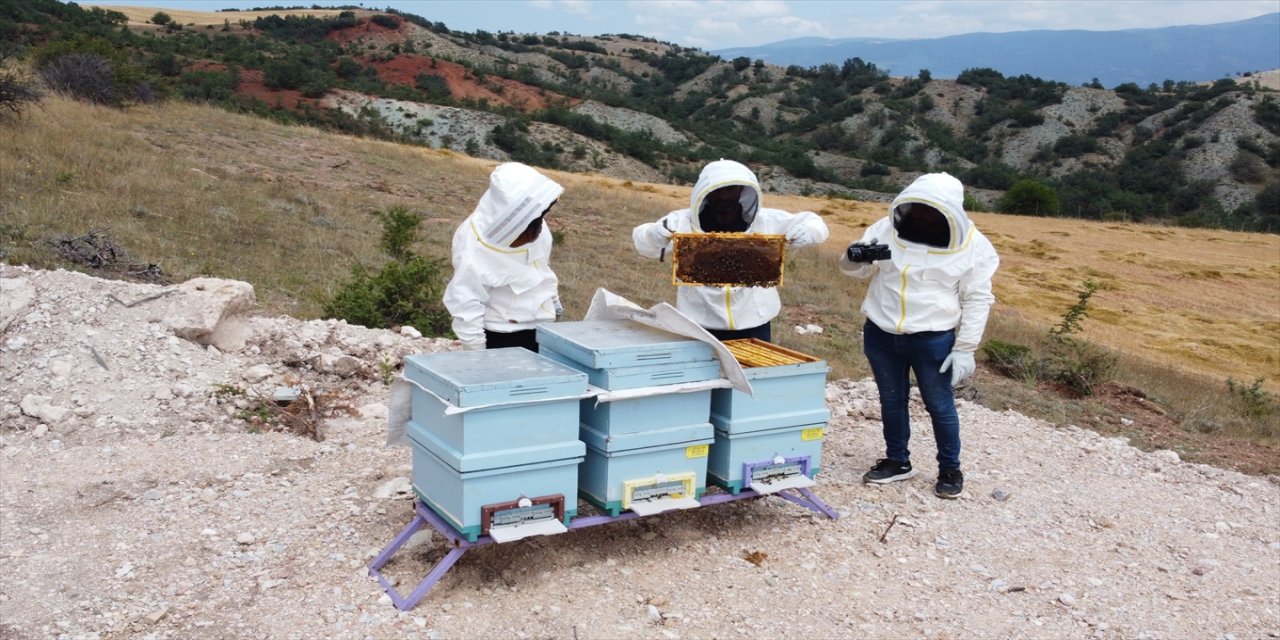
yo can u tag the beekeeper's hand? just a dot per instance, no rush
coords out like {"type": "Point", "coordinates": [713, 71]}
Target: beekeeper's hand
{"type": "Point", "coordinates": [961, 364]}
{"type": "Point", "coordinates": [666, 230]}
{"type": "Point", "coordinates": [802, 236]}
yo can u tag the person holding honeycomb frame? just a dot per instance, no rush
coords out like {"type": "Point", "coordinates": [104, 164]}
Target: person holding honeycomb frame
{"type": "Point", "coordinates": [726, 199]}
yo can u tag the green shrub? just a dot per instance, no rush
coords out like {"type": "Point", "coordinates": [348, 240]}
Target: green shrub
{"type": "Point", "coordinates": [405, 291]}
{"type": "Point", "coordinates": [1012, 360]}
{"type": "Point", "coordinates": [1031, 198]}
{"type": "Point", "coordinates": [1078, 364]}
{"type": "Point", "coordinates": [1250, 401]}
{"type": "Point", "coordinates": [399, 230]}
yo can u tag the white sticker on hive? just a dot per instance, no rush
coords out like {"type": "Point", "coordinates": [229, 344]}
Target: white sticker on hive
{"type": "Point", "coordinates": [793, 481]}
{"type": "Point", "coordinates": [658, 505]}
{"type": "Point", "coordinates": [544, 527]}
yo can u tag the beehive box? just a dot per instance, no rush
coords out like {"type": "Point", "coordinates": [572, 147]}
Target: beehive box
{"type": "Point", "coordinates": [728, 259]}
{"type": "Point", "coordinates": [517, 438]}
{"type": "Point", "coordinates": [620, 378]}
{"type": "Point", "coordinates": [619, 473]}
{"type": "Point", "coordinates": [523, 401]}
{"type": "Point", "coordinates": [789, 386]}
{"type": "Point", "coordinates": [732, 455]}
{"type": "Point", "coordinates": [633, 415]}
{"type": "Point", "coordinates": [621, 344]}
{"type": "Point", "coordinates": [461, 497]}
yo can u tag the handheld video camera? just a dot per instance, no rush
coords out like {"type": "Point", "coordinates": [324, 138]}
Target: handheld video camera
{"type": "Point", "coordinates": [858, 252]}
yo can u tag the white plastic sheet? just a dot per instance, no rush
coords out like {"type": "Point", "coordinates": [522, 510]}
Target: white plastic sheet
{"type": "Point", "coordinates": [606, 305]}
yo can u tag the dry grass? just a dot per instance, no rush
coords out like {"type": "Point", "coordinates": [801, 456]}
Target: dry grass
{"type": "Point", "coordinates": [203, 192]}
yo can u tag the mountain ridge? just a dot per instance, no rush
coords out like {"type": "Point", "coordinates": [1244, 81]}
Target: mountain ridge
{"type": "Point", "coordinates": [1184, 52]}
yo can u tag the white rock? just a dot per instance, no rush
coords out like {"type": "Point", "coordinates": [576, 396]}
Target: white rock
{"type": "Point", "coordinates": [201, 304]}
{"type": "Point", "coordinates": [42, 408]}
{"type": "Point", "coordinates": [395, 487]}
{"type": "Point", "coordinates": [654, 616]}
{"type": "Point", "coordinates": [373, 411]}
{"type": "Point", "coordinates": [245, 538]}
{"type": "Point", "coordinates": [407, 330]}
{"type": "Point", "coordinates": [1167, 456]}
{"type": "Point", "coordinates": [343, 365]}
{"type": "Point", "coordinates": [257, 373]}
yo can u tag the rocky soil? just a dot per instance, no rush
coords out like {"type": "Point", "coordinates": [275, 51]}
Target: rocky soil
{"type": "Point", "coordinates": [136, 500]}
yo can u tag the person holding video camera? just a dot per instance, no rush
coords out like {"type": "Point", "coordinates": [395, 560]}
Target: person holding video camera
{"type": "Point", "coordinates": [726, 199]}
{"type": "Point", "coordinates": [926, 308]}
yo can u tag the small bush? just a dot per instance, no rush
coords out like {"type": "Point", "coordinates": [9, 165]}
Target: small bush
{"type": "Point", "coordinates": [17, 91]}
{"type": "Point", "coordinates": [1012, 360]}
{"type": "Point", "coordinates": [1079, 365]}
{"type": "Point", "coordinates": [84, 76]}
{"type": "Point", "coordinates": [1250, 401]}
{"type": "Point", "coordinates": [1031, 198]}
{"type": "Point", "coordinates": [406, 291]}
{"type": "Point", "coordinates": [399, 230]}
{"type": "Point", "coordinates": [401, 293]}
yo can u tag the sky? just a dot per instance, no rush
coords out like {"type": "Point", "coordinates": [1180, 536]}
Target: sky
{"type": "Point", "coordinates": [721, 24]}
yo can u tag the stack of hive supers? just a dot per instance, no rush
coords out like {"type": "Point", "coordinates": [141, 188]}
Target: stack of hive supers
{"type": "Point", "coordinates": [495, 440]}
{"type": "Point", "coordinates": [647, 440]}
{"type": "Point", "coordinates": [770, 440]}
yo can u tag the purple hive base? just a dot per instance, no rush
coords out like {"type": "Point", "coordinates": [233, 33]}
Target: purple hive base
{"type": "Point", "coordinates": [423, 515]}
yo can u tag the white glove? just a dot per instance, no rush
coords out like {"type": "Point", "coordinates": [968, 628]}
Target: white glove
{"type": "Point", "coordinates": [801, 236]}
{"type": "Point", "coordinates": [961, 365]}
{"type": "Point", "coordinates": [473, 346]}
{"type": "Point", "coordinates": [559, 307]}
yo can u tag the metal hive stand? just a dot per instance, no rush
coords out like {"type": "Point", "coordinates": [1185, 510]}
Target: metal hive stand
{"type": "Point", "coordinates": [423, 515]}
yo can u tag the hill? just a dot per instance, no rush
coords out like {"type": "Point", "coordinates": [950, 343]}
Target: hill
{"type": "Point", "coordinates": [634, 108]}
{"type": "Point", "coordinates": [1140, 56]}
{"type": "Point", "coordinates": [169, 191]}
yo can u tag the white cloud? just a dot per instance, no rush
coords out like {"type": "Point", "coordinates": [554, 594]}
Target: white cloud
{"type": "Point", "coordinates": [577, 7]}
{"type": "Point", "coordinates": [718, 27]}
{"type": "Point", "coordinates": [749, 8]}
{"type": "Point", "coordinates": [791, 26]}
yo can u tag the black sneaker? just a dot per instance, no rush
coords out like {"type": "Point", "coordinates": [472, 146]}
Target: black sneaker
{"type": "Point", "coordinates": [887, 471]}
{"type": "Point", "coordinates": [950, 484]}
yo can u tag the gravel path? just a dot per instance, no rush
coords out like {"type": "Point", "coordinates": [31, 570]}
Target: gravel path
{"type": "Point", "coordinates": [134, 504]}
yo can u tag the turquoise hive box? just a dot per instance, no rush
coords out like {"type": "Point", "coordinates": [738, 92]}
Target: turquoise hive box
{"type": "Point", "coordinates": [621, 354]}
{"type": "Point", "coordinates": [645, 472]}
{"type": "Point", "coordinates": [645, 453]}
{"type": "Point", "coordinates": [777, 432]}
{"type": "Point", "coordinates": [490, 428]}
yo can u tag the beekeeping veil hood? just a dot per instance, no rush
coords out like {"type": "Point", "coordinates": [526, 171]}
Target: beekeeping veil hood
{"type": "Point", "coordinates": [725, 173]}
{"type": "Point", "coordinates": [517, 195]}
{"type": "Point", "coordinates": [940, 192]}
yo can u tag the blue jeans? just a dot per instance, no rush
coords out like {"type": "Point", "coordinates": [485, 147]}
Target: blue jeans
{"type": "Point", "coordinates": [892, 358]}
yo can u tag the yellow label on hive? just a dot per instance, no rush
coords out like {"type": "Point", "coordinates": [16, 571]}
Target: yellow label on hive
{"type": "Point", "coordinates": [811, 434]}
{"type": "Point", "coordinates": [697, 450]}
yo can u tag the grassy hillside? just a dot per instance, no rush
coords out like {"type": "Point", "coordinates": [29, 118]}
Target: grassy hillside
{"type": "Point", "coordinates": [199, 191]}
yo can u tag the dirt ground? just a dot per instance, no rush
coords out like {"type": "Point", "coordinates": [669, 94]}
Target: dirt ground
{"type": "Point", "coordinates": [139, 497]}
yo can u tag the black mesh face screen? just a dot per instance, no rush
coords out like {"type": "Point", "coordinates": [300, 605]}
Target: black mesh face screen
{"type": "Point", "coordinates": [920, 223]}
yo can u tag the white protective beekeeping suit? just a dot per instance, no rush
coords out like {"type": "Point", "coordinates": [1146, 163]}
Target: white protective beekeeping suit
{"type": "Point", "coordinates": [930, 288]}
{"type": "Point", "coordinates": [495, 286]}
{"type": "Point", "coordinates": [730, 308]}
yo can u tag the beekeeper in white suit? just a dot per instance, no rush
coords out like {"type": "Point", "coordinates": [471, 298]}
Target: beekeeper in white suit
{"type": "Point", "coordinates": [502, 285]}
{"type": "Point", "coordinates": [926, 307]}
{"type": "Point", "coordinates": [727, 199]}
